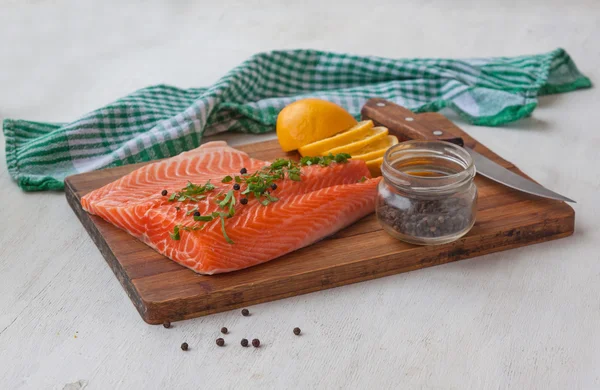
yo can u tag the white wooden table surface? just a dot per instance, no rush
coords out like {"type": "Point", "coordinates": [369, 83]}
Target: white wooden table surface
{"type": "Point", "coordinates": [526, 318]}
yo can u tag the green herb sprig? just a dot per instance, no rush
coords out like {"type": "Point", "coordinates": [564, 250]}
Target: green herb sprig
{"type": "Point", "coordinates": [192, 192]}
{"type": "Point", "coordinates": [257, 184]}
{"type": "Point", "coordinates": [176, 234]}
{"type": "Point", "coordinates": [325, 161]}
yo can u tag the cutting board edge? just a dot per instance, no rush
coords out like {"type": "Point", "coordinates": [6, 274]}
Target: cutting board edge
{"type": "Point", "coordinates": [104, 249]}
{"type": "Point", "coordinates": [154, 311]}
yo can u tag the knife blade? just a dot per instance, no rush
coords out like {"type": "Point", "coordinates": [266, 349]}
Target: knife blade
{"type": "Point", "coordinates": [407, 125]}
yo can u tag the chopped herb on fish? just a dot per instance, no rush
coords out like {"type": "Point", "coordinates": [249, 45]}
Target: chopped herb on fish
{"type": "Point", "coordinates": [257, 184]}
{"type": "Point", "coordinates": [325, 161]}
{"type": "Point", "coordinates": [227, 199]}
{"type": "Point", "coordinates": [271, 198]}
{"type": "Point", "coordinates": [192, 192]}
{"type": "Point", "coordinates": [176, 233]}
{"type": "Point", "coordinates": [192, 211]}
{"type": "Point", "coordinates": [262, 180]}
{"type": "Point", "coordinates": [203, 218]}
{"type": "Point", "coordinates": [229, 240]}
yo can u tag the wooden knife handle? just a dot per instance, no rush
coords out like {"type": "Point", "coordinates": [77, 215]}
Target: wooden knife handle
{"type": "Point", "coordinates": [404, 123]}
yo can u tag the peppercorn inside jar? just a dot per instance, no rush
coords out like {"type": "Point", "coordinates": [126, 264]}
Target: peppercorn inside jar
{"type": "Point", "coordinates": [427, 195]}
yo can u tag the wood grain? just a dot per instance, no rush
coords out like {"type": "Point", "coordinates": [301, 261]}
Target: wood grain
{"type": "Point", "coordinates": [162, 290]}
{"type": "Point", "coordinates": [405, 124]}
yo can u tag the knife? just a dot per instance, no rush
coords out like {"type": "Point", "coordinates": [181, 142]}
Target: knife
{"type": "Point", "coordinates": [405, 124]}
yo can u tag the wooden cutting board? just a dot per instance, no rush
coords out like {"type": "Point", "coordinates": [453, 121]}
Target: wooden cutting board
{"type": "Point", "coordinates": [162, 290]}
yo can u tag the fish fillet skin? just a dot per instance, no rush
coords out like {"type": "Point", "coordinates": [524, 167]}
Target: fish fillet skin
{"type": "Point", "coordinates": [329, 197]}
{"type": "Point", "coordinates": [262, 233]}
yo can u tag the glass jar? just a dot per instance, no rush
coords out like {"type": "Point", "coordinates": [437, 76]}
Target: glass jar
{"type": "Point", "coordinates": [427, 195]}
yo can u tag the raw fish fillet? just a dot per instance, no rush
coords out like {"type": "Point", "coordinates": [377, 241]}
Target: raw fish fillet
{"type": "Point", "coordinates": [326, 200]}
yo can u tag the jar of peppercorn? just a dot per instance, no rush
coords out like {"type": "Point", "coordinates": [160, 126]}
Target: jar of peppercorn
{"type": "Point", "coordinates": [427, 195]}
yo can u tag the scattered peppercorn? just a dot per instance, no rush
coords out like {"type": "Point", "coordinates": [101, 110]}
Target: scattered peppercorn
{"type": "Point", "coordinates": [243, 171]}
{"type": "Point", "coordinates": [164, 193]}
{"type": "Point", "coordinates": [167, 324]}
{"type": "Point", "coordinates": [256, 343]}
{"type": "Point", "coordinates": [245, 312]}
{"type": "Point", "coordinates": [236, 187]}
{"type": "Point", "coordinates": [177, 208]}
{"type": "Point", "coordinates": [220, 342]}
{"type": "Point", "coordinates": [296, 331]}
{"type": "Point", "coordinates": [273, 186]}
{"type": "Point", "coordinates": [184, 346]}
{"type": "Point", "coordinates": [244, 201]}
{"type": "Point", "coordinates": [244, 343]}
{"type": "Point", "coordinates": [224, 330]}
{"type": "Point", "coordinates": [197, 214]}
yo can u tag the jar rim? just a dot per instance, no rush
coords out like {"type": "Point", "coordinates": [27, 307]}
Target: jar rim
{"type": "Point", "coordinates": [435, 149]}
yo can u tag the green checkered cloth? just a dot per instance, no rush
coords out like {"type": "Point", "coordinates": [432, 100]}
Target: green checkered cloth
{"type": "Point", "coordinates": [162, 121]}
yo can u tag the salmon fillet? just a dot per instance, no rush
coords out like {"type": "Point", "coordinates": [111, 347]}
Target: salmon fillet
{"type": "Point", "coordinates": [325, 200]}
{"type": "Point", "coordinates": [126, 201]}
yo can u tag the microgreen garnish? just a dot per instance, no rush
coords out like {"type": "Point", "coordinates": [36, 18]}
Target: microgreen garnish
{"type": "Point", "coordinates": [258, 184]}
{"type": "Point", "coordinates": [191, 192]}
{"type": "Point", "coordinates": [229, 240]}
{"type": "Point", "coordinates": [229, 202]}
{"type": "Point", "coordinates": [176, 234]}
{"type": "Point", "coordinates": [324, 161]}
{"type": "Point", "coordinates": [341, 157]}
{"type": "Point", "coordinates": [226, 200]}
{"type": "Point", "coordinates": [192, 211]}
{"type": "Point", "coordinates": [271, 198]}
{"type": "Point", "coordinates": [307, 160]}
{"type": "Point", "coordinates": [203, 218]}
{"type": "Point", "coordinates": [362, 179]}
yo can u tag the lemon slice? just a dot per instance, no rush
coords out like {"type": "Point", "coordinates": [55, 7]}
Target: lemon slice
{"type": "Point", "coordinates": [353, 134]}
{"type": "Point", "coordinates": [375, 135]}
{"type": "Point", "coordinates": [371, 152]}
{"type": "Point", "coordinates": [375, 166]}
{"type": "Point", "coordinates": [379, 144]}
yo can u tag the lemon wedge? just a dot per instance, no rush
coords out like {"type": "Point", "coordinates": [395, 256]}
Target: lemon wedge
{"type": "Point", "coordinates": [353, 134]}
{"type": "Point", "coordinates": [375, 135]}
{"type": "Point", "coordinates": [378, 149]}
{"type": "Point", "coordinates": [375, 166]}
